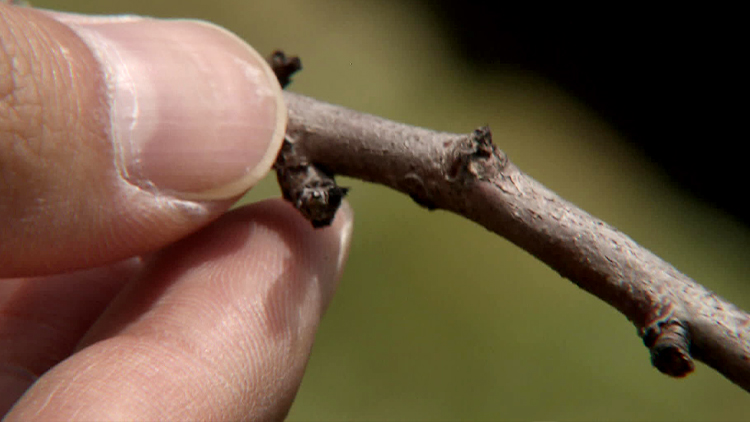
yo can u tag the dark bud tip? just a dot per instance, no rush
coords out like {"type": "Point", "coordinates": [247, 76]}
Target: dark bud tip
{"type": "Point", "coordinates": [320, 203]}
{"type": "Point", "coordinates": [284, 67]}
{"type": "Point", "coordinates": [482, 137]}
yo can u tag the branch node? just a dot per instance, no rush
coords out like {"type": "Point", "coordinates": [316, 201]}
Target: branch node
{"type": "Point", "coordinates": [284, 67]}
{"type": "Point", "coordinates": [477, 156]}
{"type": "Point", "coordinates": [482, 138]}
{"type": "Point", "coordinates": [310, 188]}
{"type": "Point", "coordinates": [669, 343]}
{"type": "Point", "coordinates": [417, 191]}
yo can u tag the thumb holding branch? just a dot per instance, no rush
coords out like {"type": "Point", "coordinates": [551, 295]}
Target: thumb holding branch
{"type": "Point", "coordinates": [124, 142]}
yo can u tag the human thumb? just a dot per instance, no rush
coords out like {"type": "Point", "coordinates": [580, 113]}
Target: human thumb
{"type": "Point", "coordinates": [121, 134]}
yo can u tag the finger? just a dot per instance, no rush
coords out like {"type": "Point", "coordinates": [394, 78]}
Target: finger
{"type": "Point", "coordinates": [43, 319]}
{"type": "Point", "coordinates": [219, 329]}
{"type": "Point", "coordinates": [119, 135]}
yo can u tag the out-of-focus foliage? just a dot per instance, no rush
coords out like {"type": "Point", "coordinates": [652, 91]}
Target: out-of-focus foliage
{"type": "Point", "coordinates": [436, 318]}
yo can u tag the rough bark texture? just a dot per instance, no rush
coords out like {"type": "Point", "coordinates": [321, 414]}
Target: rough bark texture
{"type": "Point", "coordinates": [678, 319]}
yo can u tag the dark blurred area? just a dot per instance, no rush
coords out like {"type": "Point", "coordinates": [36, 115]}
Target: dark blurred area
{"type": "Point", "coordinates": [672, 81]}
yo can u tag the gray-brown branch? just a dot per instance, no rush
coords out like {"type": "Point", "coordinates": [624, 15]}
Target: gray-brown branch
{"type": "Point", "coordinates": [678, 319]}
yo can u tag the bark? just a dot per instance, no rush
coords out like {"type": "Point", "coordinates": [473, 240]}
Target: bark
{"type": "Point", "coordinates": [678, 319]}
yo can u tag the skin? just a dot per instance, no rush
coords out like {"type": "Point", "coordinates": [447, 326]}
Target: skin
{"type": "Point", "coordinates": [127, 291]}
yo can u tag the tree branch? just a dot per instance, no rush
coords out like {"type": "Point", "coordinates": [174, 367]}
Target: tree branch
{"type": "Point", "coordinates": [678, 319]}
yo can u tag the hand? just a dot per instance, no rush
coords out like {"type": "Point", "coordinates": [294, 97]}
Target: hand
{"type": "Point", "coordinates": [127, 291]}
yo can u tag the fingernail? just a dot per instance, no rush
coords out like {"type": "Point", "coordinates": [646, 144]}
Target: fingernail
{"type": "Point", "coordinates": [195, 111]}
{"type": "Point", "coordinates": [344, 220]}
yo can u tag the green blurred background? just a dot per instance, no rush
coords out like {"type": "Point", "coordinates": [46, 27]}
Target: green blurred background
{"type": "Point", "coordinates": [436, 318]}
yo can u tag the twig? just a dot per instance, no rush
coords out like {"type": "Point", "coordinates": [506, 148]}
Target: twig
{"type": "Point", "coordinates": [678, 319]}
{"type": "Point", "coordinates": [311, 189]}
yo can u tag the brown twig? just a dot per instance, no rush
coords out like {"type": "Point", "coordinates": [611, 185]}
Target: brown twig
{"type": "Point", "coordinates": [311, 188]}
{"type": "Point", "coordinates": [284, 67]}
{"type": "Point", "coordinates": [678, 319]}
